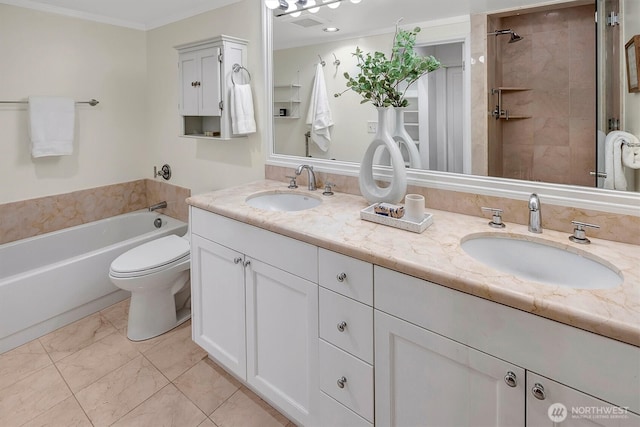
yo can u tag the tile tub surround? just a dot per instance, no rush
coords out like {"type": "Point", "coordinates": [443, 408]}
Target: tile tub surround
{"type": "Point", "coordinates": [27, 218]}
{"type": "Point", "coordinates": [436, 255]}
{"type": "Point", "coordinates": [615, 227]}
{"type": "Point", "coordinates": [88, 373]}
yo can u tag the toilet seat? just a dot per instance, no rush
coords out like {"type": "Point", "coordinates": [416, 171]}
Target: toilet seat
{"type": "Point", "coordinates": [151, 257]}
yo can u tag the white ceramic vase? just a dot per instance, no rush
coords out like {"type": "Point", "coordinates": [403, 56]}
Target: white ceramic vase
{"type": "Point", "coordinates": [402, 137]}
{"type": "Point", "coordinates": [396, 189]}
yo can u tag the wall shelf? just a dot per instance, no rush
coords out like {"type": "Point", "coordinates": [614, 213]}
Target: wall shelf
{"type": "Point", "coordinates": [287, 98]}
{"type": "Point", "coordinates": [500, 113]}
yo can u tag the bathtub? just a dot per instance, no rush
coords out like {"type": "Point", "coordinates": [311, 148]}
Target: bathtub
{"type": "Point", "coordinates": [54, 279]}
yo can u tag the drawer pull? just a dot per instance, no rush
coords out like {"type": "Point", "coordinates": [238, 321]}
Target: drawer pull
{"type": "Point", "coordinates": [538, 391]}
{"type": "Point", "coordinates": [342, 381]}
{"type": "Point", "coordinates": [342, 326]}
{"type": "Point", "coordinates": [341, 277]}
{"type": "Point", "coordinates": [510, 379]}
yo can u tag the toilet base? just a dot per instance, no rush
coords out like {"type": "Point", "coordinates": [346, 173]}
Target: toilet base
{"type": "Point", "coordinates": [154, 313]}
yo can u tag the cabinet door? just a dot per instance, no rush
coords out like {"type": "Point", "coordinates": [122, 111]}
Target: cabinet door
{"type": "Point", "coordinates": [218, 298]}
{"type": "Point", "coordinates": [550, 403]}
{"type": "Point", "coordinates": [425, 379]}
{"type": "Point", "coordinates": [282, 339]}
{"type": "Point", "coordinates": [210, 93]}
{"type": "Point", "coordinates": [188, 69]}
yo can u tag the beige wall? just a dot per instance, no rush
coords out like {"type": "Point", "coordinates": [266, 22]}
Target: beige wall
{"type": "Point", "coordinates": [47, 54]}
{"type": "Point", "coordinates": [200, 164]}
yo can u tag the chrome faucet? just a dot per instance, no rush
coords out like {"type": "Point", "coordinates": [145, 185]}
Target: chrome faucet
{"type": "Point", "coordinates": [157, 206]}
{"type": "Point", "coordinates": [310, 176]}
{"type": "Point", "coordinates": [535, 215]}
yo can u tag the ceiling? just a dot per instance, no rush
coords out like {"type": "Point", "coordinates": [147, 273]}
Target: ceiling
{"type": "Point", "coordinates": [138, 14]}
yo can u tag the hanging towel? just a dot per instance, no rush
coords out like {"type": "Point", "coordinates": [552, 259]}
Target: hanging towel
{"type": "Point", "coordinates": [631, 153]}
{"type": "Point", "coordinates": [615, 179]}
{"type": "Point", "coordinates": [51, 125]}
{"type": "Point", "coordinates": [242, 117]}
{"type": "Point", "coordinates": [319, 115]}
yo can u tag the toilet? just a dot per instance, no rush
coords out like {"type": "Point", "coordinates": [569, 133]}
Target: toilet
{"type": "Point", "coordinates": [157, 275]}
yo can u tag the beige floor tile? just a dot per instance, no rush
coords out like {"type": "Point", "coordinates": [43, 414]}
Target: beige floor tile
{"type": "Point", "coordinates": [166, 408]}
{"type": "Point", "coordinates": [76, 336]}
{"type": "Point", "coordinates": [176, 354]}
{"type": "Point", "coordinates": [22, 362]}
{"type": "Point", "coordinates": [95, 361]}
{"type": "Point", "coordinates": [118, 314]}
{"type": "Point", "coordinates": [67, 413]}
{"type": "Point", "coordinates": [117, 393]}
{"type": "Point", "coordinates": [246, 409]}
{"type": "Point", "coordinates": [207, 423]}
{"type": "Point", "coordinates": [207, 385]}
{"type": "Point", "coordinates": [31, 396]}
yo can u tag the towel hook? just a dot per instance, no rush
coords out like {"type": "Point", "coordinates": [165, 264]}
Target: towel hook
{"type": "Point", "coordinates": [337, 61]}
{"type": "Point", "coordinates": [322, 61]}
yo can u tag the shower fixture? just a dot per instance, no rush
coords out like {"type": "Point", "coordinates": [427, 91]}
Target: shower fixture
{"type": "Point", "coordinates": [514, 36]}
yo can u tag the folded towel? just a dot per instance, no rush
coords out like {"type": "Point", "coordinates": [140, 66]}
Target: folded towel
{"type": "Point", "coordinates": [631, 153]}
{"type": "Point", "coordinates": [242, 118]}
{"type": "Point", "coordinates": [319, 115]}
{"type": "Point", "coordinates": [615, 179]}
{"type": "Point", "coordinates": [51, 125]}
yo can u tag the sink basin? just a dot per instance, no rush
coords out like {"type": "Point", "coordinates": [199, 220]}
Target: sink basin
{"type": "Point", "coordinates": [542, 262]}
{"type": "Point", "coordinates": [277, 201]}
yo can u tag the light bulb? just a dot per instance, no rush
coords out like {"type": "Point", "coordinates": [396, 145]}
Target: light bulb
{"type": "Point", "coordinates": [272, 4]}
{"type": "Point", "coordinates": [313, 9]}
{"type": "Point", "coordinates": [292, 10]}
{"type": "Point", "coordinates": [355, 1]}
{"type": "Point", "coordinates": [332, 5]}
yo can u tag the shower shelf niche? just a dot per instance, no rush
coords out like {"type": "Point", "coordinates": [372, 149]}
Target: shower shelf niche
{"type": "Point", "coordinates": [501, 113]}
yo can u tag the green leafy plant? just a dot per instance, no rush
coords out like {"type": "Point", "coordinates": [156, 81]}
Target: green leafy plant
{"type": "Point", "coordinates": [384, 82]}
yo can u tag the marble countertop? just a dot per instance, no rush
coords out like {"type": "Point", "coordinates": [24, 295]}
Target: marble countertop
{"type": "Point", "coordinates": [436, 255]}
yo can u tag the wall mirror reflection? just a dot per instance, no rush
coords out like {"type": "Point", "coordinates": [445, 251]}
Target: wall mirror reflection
{"type": "Point", "coordinates": [550, 77]}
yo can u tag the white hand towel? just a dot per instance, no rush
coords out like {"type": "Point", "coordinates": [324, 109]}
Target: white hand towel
{"type": "Point", "coordinates": [319, 115]}
{"type": "Point", "coordinates": [631, 154]}
{"type": "Point", "coordinates": [242, 117]}
{"type": "Point", "coordinates": [615, 179]}
{"type": "Point", "coordinates": [51, 125]}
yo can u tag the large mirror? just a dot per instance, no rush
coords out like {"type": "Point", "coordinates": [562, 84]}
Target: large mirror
{"type": "Point", "coordinates": [540, 122]}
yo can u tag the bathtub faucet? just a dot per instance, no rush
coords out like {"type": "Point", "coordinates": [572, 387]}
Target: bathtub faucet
{"type": "Point", "coordinates": [160, 205]}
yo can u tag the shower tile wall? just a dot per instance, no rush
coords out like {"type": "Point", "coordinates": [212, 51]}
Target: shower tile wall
{"type": "Point", "coordinates": [556, 61]}
{"type": "Point", "coordinates": [27, 218]}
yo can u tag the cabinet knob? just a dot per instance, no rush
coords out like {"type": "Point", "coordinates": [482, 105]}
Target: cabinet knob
{"type": "Point", "coordinates": [342, 381]}
{"type": "Point", "coordinates": [538, 391]}
{"type": "Point", "coordinates": [247, 263]}
{"type": "Point", "coordinates": [237, 260]}
{"type": "Point", "coordinates": [342, 326]}
{"type": "Point", "coordinates": [193, 84]}
{"type": "Point", "coordinates": [510, 379]}
{"type": "Point", "coordinates": [341, 277]}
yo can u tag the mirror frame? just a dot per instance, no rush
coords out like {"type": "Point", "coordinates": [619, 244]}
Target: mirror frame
{"type": "Point", "coordinates": [619, 202]}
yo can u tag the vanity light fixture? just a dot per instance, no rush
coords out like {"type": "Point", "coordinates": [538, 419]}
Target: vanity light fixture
{"type": "Point", "coordinates": [331, 30]}
{"type": "Point", "coordinates": [296, 7]}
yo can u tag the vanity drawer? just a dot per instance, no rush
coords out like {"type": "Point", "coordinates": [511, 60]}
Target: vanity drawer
{"type": "Point", "coordinates": [334, 414]}
{"type": "Point", "coordinates": [355, 335]}
{"type": "Point", "coordinates": [345, 275]}
{"type": "Point", "coordinates": [357, 391]}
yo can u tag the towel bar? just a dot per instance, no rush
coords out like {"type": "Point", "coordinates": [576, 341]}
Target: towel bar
{"type": "Point", "coordinates": [91, 102]}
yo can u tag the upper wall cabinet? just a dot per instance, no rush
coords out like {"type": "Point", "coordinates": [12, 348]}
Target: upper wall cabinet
{"type": "Point", "coordinates": [205, 72]}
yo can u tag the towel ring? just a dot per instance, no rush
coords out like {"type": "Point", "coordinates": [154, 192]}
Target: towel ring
{"type": "Point", "coordinates": [236, 69]}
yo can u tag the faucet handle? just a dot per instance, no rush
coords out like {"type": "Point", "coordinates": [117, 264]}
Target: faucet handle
{"type": "Point", "coordinates": [579, 233]}
{"type": "Point", "coordinates": [292, 181]}
{"type": "Point", "coordinates": [496, 219]}
{"type": "Point", "coordinates": [328, 190]}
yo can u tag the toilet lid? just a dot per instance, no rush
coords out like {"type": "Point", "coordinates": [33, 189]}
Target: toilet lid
{"type": "Point", "coordinates": [151, 255]}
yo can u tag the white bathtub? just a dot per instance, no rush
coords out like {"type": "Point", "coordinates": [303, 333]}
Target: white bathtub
{"type": "Point", "coordinates": [51, 280]}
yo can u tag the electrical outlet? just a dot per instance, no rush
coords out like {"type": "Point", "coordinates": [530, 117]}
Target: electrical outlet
{"type": "Point", "coordinates": [372, 127]}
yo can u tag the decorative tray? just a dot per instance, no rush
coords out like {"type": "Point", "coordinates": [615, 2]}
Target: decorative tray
{"type": "Point", "coordinates": [404, 224]}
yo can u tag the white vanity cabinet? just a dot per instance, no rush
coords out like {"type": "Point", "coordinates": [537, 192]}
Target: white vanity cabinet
{"type": "Point", "coordinates": [255, 309]}
{"type": "Point", "coordinates": [205, 70]}
{"type": "Point", "coordinates": [443, 357]}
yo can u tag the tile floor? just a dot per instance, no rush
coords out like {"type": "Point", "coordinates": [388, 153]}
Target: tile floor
{"type": "Point", "coordinates": [89, 374]}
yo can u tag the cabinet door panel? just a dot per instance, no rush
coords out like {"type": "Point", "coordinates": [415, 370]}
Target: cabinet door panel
{"type": "Point", "coordinates": [425, 379]}
{"type": "Point", "coordinates": [282, 338]}
{"type": "Point", "coordinates": [210, 93]}
{"type": "Point", "coordinates": [188, 92]}
{"type": "Point", "coordinates": [218, 295]}
{"type": "Point", "coordinates": [571, 408]}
